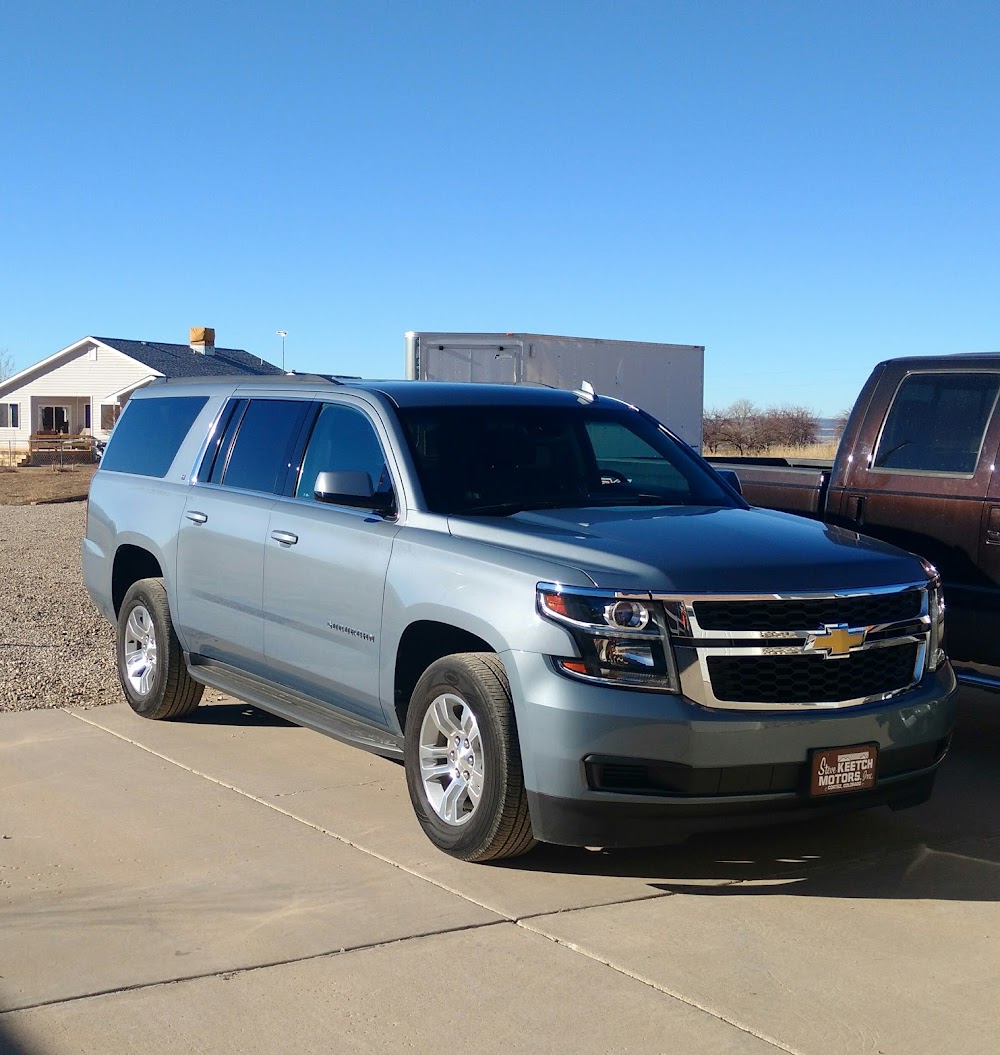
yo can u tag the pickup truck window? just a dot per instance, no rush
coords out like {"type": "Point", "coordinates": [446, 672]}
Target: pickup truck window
{"type": "Point", "coordinates": [937, 422]}
{"type": "Point", "coordinates": [258, 459]}
{"type": "Point", "coordinates": [497, 460]}
{"type": "Point", "coordinates": [342, 439]}
{"type": "Point", "coordinates": [149, 434]}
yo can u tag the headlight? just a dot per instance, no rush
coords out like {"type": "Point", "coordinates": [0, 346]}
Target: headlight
{"type": "Point", "coordinates": [622, 641]}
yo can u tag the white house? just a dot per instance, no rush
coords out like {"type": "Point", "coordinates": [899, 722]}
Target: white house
{"type": "Point", "coordinates": [79, 391]}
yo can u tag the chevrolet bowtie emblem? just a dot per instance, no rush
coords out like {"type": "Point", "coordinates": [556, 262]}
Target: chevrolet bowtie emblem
{"type": "Point", "coordinates": [835, 640]}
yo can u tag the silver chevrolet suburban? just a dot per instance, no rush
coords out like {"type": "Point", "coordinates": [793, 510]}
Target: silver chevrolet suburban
{"type": "Point", "coordinates": [566, 625]}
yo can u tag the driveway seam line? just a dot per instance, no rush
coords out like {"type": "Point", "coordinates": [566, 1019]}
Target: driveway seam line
{"type": "Point", "coordinates": [232, 972]}
{"type": "Point", "coordinates": [688, 1001]}
{"type": "Point", "coordinates": [301, 820]}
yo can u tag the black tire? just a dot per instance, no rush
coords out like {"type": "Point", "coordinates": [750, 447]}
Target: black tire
{"type": "Point", "coordinates": [157, 685]}
{"type": "Point", "coordinates": [497, 824]}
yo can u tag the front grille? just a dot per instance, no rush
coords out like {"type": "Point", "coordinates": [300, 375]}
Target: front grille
{"type": "Point", "coordinates": [809, 613]}
{"type": "Point", "coordinates": [809, 678]}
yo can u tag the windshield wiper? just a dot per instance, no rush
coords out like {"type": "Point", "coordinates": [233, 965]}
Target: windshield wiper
{"type": "Point", "coordinates": [640, 499]}
{"type": "Point", "coordinates": [510, 508]}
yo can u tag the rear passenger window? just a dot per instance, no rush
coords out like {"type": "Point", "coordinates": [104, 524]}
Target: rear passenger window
{"type": "Point", "coordinates": [149, 434]}
{"type": "Point", "coordinates": [265, 436]}
{"type": "Point", "coordinates": [937, 422]}
{"type": "Point", "coordinates": [343, 439]}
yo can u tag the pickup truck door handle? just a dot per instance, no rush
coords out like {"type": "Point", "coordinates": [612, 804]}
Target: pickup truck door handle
{"type": "Point", "coordinates": [195, 517]}
{"type": "Point", "coordinates": [287, 537]}
{"type": "Point", "coordinates": [993, 525]}
{"type": "Point", "coordinates": [859, 508]}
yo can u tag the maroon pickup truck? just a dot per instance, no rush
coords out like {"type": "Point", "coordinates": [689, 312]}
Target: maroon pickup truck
{"type": "Point", "coordinates": [915, 467]}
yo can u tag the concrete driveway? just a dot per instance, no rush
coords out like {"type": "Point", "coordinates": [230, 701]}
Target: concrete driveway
{"type": "Point", "coordinates": [234, 884]}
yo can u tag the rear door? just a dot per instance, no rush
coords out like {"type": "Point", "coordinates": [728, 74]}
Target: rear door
{"type": "Point", "coordinates": [924, 487]}
{"type": "Point", "coordinates": [220, 550]}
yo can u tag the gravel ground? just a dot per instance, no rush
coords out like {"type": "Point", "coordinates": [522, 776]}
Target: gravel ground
{"type": "Point", "coordinates": [55, 649]}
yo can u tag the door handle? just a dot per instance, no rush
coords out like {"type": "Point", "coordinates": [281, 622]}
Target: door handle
{"type": "Point", "coordinates": [195, 517]}
{"type": "Point", "coordinates": [993, 525]}
{"type": "Point", "coordinates": [859, 509]}
{"type": "Point", "coordinates": [286, 537]}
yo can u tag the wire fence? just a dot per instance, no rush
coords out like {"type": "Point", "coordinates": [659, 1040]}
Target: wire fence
{"type": "Point", "coordinates": [56, 451]}
{"type": "Point", "coordinates": [11, 454]}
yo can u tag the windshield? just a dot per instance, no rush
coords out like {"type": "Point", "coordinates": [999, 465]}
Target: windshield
{"type": "Point", "coordinates": [498, 460]}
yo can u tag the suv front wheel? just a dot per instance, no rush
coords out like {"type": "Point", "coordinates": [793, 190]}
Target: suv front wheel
{"type": "Point", "coordinates": [151, 666]}
{"type": "Point", "coordinates": [463, 760]}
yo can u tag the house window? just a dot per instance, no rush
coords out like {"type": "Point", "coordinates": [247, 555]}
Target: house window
{"type": "Point", "coordinates": [109, 415]}
{"type": "Point", "coordinates": [86, 415]}
{"type": "Point", "coordinates": [10, 417]}
{"type": "Point", "coordinates": [54, 419]}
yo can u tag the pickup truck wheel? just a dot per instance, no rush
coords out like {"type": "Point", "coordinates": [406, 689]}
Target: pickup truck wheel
{"type": "Point", "coordinates": [463, 760]}
{"type": "Point", "coordinates": [151, 666]}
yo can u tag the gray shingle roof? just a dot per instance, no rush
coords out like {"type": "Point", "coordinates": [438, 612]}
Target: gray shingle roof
{"type": "Point", "coordinates": [177, 360]}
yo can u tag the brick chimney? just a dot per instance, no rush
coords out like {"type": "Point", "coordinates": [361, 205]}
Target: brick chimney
{"type": "Point", "coordinates": [202, 340]}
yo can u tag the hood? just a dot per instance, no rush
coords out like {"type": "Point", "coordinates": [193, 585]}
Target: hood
{"type": "Point", "coordinates": [695, 549]}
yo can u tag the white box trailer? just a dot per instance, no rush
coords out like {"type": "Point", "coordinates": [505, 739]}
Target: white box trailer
{"type": "Point", "coordinates": [667, 380]}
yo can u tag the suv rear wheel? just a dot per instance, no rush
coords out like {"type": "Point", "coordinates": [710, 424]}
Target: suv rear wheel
{"type": "Point", "coordinates": [151, 666]}
{"type": "Point", "coordinates": [463, 760]}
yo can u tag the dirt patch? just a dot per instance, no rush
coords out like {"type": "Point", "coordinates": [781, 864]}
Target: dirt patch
{"type": "Point", "coordinates": [44, 483]}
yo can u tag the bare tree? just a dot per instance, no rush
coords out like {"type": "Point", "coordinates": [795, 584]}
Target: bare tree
{"type": "Point", "coordinates": [713, 430]}
{"type": "Point", "coordinates": [747, 429]}
{"type": "Point", "coordinates": [742, 428]}
{"type": "Point", "coordinates": [840, 424]}
{"type": "Point", "coordinates": [792, 426]}
{"type": "Point", "coordinates": [6, 364]}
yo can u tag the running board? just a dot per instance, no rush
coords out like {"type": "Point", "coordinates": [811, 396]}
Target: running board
{"type": "Point", "coordinates": [295, 707]}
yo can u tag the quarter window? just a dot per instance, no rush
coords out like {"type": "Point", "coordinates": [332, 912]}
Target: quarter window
{"type": "Point", "coordinates": [937, 422]}
{"type": "Point", "coordinates": [149, 434]}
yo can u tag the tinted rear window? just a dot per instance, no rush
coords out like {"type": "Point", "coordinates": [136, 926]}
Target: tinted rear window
{"type": "Point", "coordinates": [937, 422]}
{"type": "Point", "coordinates": [259, 459]}
{"type": "Point", "coordinates": [149, 434]}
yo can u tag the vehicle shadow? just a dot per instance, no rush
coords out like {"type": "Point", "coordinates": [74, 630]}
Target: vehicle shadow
{"type": "Point", "coordinates": [235, 713]}
{"type": "Point", "coordinates": [947, 849]}
{"type": "Point", "coordinates": [10, 1046]}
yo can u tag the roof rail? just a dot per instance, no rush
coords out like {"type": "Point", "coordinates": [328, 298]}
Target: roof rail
{"type": "Point", "coordinates": [334, 379]}
{"type": "Point", "coordinates": [268, 379]}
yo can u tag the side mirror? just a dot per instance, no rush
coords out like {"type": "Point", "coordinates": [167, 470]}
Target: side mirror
{"type": "Point", "coordinates": [731, 478]}
{"type": "Point", "coordinates": [351, 488]}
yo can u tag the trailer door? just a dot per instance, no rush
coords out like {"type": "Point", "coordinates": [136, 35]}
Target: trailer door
{"type": "Point", "coordinates": [493, 363]}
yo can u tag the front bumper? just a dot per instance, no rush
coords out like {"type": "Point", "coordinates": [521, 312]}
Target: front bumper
{"type": "Point", "coordinates": [705, 768]}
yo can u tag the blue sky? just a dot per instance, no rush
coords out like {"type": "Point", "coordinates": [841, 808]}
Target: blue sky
{"type": "Point", "coordinates": [805, 188]}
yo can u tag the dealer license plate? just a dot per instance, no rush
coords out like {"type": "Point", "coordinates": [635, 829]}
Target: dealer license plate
{"type": "Point", "coordinates": [835, 770]}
